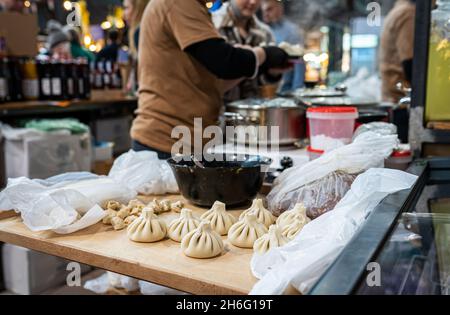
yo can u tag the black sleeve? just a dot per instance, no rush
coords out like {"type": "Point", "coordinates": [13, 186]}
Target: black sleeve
{"type": "Point", "coordinates": [224, 60]}
{"type": "Point", "coordinates": [407, 68]}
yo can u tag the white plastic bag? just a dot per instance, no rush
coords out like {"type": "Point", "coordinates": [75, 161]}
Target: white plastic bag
{"type": "Point", "coordinates": [367, 151]}
{"type": "Point", "coordinates": [150, 176]}
{"type": "Point", "coordinates": [64, 206]}
{"type": "Point", "coordinates": [110, 280]}
{"type": "Point", "coordinates": [70, 202]}
{"type": "Point", "coordinates": [148, 288]}
{"type": "Point", "coordinates": [301, 262]}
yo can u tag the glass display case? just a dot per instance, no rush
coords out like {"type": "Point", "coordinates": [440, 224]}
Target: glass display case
{"type": "Point", "coordinates": [404, 247]}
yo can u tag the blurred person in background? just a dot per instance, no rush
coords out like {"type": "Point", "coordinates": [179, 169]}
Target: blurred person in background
{"type": "Point", "coordinates": [11, 6]}
{"type": "Point", "coordinates": [133, 12]}
{"type": "Point", "coordinates": [76, 49]}
{"type": "Point", "coordinates": [111, 50]}
{"type": "Point", "coordinates": [58, 41]}
{"type": "Point", "coordinates": [397, 49]}
{"type": "Point", "coordinates": [285, 31]}
{"type": "Point", "coordinates": [237, 22]}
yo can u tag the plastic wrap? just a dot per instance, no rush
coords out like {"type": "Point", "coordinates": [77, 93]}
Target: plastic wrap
{"type": "Point", "coordinates": [321, 183]}
{"type": "Point", "coordinates": [378, 127]}
{"type": "Point", "coordinates": [73, 201]}
{"type": "Point", "coordinates": [303, 261]}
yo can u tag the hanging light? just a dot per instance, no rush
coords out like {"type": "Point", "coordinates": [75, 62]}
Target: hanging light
{"type": "Point", "coordinates": [27, 4]}
{"type": "Point", "coordinates": [87, 40]}
{"type": "Point", "coordinates": [67, 5]}
{"type": "Point", "coordinates": [120, 24]}
{"type": "Point", "coordinates": [106, 25]}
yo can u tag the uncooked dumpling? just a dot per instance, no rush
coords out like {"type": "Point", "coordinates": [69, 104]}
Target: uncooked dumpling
{"type": "Point", "coordinates": [186, 223]}
{"type": "Point", "coordinates": [263, 215]}
{"type": "Point", "coordinates": [245, 232]}
{"type": "Point", "coordinates": [147, 228]}
{"type": "Point", "coordinates": [203, 242]}
{"type": "Point", "coordinates": [270, 240]}
{"type": "Point", "coordinates": [291, 230]}
{"type": "Point", "coordinates": [288, 217]}
{"type": "Point", "coordinates": [221, 220]}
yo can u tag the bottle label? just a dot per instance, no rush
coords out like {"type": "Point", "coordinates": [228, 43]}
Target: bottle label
{"type": "Point", "coordinates": [98, 81]}
{"type": "Point", "coordinates": [46, 87]}
{"type": "Point", "coordinates": [106, 79]}
{"type": "Point", "coordinates": [81, 86]}
{"type": "Point", "coordinates": [56, 86]}
{"type": "Point", "coordinates": [3, 88]}
{"type": "Point", "coordinates": [117, 83]}
{"type": "Point", "coordinates": [70, 87]}
{"type": "Point", "coordinates": [31, 88]}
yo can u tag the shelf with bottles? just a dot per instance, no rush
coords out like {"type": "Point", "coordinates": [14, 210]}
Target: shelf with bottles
{"type": "Point", "coordinates": [30, 79]}
{"type": "Point", "coordinates": [105, 75]}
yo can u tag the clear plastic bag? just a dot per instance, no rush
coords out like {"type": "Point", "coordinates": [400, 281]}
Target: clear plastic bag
{"type": "Point", "coordinates": [321, 183]}
{"type": "Point", "coordinates": [319, 196]}
{"type": "Point", "coordinates": [73, 201]}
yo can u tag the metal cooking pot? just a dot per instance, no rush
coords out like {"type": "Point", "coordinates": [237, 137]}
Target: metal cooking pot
{"type": "Point", "coordinates": [287, 114]}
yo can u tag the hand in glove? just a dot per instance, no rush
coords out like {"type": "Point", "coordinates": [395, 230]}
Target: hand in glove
{"type": "Point", "coordinates": [276, 58]}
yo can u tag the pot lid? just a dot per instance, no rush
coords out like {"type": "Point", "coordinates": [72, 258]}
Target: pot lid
{"type": "Point", "coordinates": [259, 103]}
{"type": "Point", "coordinates": [339, 101]}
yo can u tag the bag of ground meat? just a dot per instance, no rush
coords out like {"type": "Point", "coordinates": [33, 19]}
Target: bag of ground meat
{"type": "Point", "coordinates": [322, 183]}
{"type": "Point", "coordinates": [319, 196]}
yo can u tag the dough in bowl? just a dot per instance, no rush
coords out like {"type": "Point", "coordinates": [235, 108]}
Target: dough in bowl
{"type": "Point", "coordinates": [263, 215]}
{"type": "Point", "coordinates": [186, 223]}
{"type": "Point", "coordinates": [245, 232]}
{"type": "Point", "coordinates": [203, 242]}
{"type": "Point", "coordinates": [221, 220]}
{"type": "Point", "coordinates": [148, 228]}
{"type": "Point", "coordinates": [270, 240]}
{"type": "Point", "coordinates": [288, 217]}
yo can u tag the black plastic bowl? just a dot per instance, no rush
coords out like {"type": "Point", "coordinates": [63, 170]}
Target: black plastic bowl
{"type": "Point", "coordinates": [233, 180]}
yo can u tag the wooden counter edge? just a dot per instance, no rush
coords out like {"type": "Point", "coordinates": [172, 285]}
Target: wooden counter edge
{"type": "Point", "coordinates": [164, 278]}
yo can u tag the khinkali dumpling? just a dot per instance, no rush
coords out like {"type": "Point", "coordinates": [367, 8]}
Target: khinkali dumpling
{"type": "Point", "coordinates": [147, 228]}
{"type": "Point", "coordinates": [186, 223]}
{"type": "Point", "coordinates": [291, 230]}
{"type": "Point", "coordinates": [270, 240]}
{"type": "Point", "coordinates": [203, 242]}
{"type": "Point", "coordinates": [288, 217]}
{"type": "Point", "coordinates": [244, 233]}
{"type": "Point", "coordinates": [220, 219]}
{"type": "Point", "coordinates": [263, 215]}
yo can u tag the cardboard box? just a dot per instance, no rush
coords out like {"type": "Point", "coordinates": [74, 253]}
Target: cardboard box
{"type": "Point", "coordinates": [116, 130]}
{"type": "Point", "coordinates": [20, 32]}
{"type": "Point", "coordinates": [28, 272]}
{"type": "Point", "coordinates": [46, 155]}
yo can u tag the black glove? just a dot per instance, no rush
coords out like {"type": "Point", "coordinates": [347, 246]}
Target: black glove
{"type": "Point", "coordinates": [275, 58]}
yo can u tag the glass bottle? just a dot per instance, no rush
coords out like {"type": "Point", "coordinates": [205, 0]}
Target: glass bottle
{"type": "Point", "coordinates": [30, 82]}
{"type": "Point", "coordinates": [438, 82]}
{"type": "Point", "coordinates": [45, 80]}
{"type": "Point", "coordinates": [3, 81]}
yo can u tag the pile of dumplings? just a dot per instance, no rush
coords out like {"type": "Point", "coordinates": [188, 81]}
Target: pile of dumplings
{"type": "Point", "coordinates": [121, 216]}
{"type": "Point", "coordinates": [257, 228]}
{"type": "Point", "coordinates": [201, 238]}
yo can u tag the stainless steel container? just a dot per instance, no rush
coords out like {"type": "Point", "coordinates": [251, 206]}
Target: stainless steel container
{"type": "Point", "coordinates": [286, 114]}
